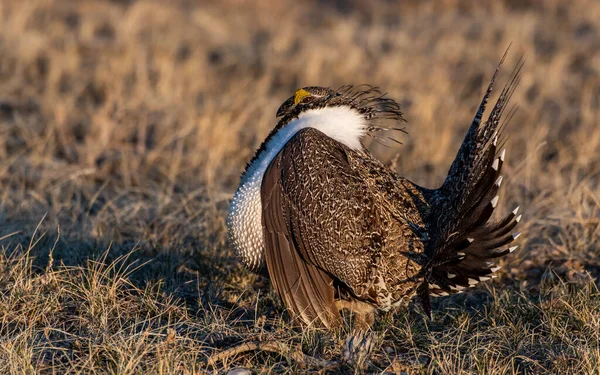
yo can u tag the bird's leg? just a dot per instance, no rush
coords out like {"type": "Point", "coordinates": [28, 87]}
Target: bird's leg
{"type": "Point", "coordinates": [364, 313]}
{"type": "Point", "coordinates": [358, 345]}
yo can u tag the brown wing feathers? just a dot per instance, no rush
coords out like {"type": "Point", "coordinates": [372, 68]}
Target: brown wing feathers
{"type": "Point", "coordinates": [305, 289]}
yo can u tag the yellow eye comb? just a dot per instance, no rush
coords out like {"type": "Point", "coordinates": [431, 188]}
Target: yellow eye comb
{"type": "Point", "coordinates": [299, 95]}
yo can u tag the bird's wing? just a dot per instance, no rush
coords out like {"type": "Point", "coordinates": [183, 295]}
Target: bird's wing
{"type": "Point", "coordinates": [316, 232]}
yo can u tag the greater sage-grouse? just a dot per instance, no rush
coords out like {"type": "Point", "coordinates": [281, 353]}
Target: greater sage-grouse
{"type": "Point", "coordinates": [335, 228]}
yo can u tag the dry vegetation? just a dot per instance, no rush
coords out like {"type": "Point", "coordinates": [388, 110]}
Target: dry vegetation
{"type": "Point", "coordinates": [124, 126]}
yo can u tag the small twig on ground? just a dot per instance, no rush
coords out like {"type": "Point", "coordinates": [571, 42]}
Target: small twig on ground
{"type": "Point", "coordinates": [275, 347]}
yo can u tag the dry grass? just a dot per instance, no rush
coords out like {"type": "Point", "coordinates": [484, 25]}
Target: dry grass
{"type": "Point", "coordinates": [124, 127]}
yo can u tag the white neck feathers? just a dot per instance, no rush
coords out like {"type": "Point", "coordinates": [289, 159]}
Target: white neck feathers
{"type": "Point", "coordinates": [344, 124]}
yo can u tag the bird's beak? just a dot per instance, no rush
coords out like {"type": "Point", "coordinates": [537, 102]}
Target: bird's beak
{"type": "Point", "coordinates": [285, 106]}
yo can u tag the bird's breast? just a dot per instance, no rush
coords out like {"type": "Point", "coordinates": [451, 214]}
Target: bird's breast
{"type": "Point", "coordinates": [244, 222]}
{"type": "Point", "coordinates": [244, 219]}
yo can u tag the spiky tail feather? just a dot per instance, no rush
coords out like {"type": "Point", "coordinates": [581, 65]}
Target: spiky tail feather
{"type": "Point", "coordinates": [463, 244]}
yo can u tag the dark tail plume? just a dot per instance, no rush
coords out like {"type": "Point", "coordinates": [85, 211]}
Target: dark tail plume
{"type": "Point", "coordinates": [464, 245]}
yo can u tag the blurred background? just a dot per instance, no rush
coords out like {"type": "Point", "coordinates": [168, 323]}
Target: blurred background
{"type": "Point", "coordinates": [127, 124]}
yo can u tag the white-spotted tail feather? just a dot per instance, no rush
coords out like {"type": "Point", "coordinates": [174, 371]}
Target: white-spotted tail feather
{"type": "Point", "coordinates": [467, 244]}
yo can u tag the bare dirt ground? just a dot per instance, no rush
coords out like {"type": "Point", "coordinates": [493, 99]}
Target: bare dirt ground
{"type": "Point", "coordinates": [124, 127]}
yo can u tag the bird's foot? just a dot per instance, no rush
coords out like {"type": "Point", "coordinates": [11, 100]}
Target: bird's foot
{"type": "Point", "coordinates": [357, 348]}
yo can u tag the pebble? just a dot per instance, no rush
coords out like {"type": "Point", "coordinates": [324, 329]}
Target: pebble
{"type": "Point", "coordinates": [239, 371]}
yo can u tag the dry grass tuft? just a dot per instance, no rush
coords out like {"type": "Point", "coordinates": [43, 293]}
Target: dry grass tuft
{"type": "Point", "coordinates": [124, 126]}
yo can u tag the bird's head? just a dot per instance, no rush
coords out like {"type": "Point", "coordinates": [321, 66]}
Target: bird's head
{"type": "Point", "coordinates": [368, 101]}
{"type": "Point", "coordinates": [306, 98]}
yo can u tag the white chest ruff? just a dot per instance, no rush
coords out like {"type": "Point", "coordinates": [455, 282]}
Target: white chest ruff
{"type": "Point", "coordinates": [244, 219]}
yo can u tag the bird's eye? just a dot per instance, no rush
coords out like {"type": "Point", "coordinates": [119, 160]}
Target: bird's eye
{"type": "Point", "coordinates": [307, 99]}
